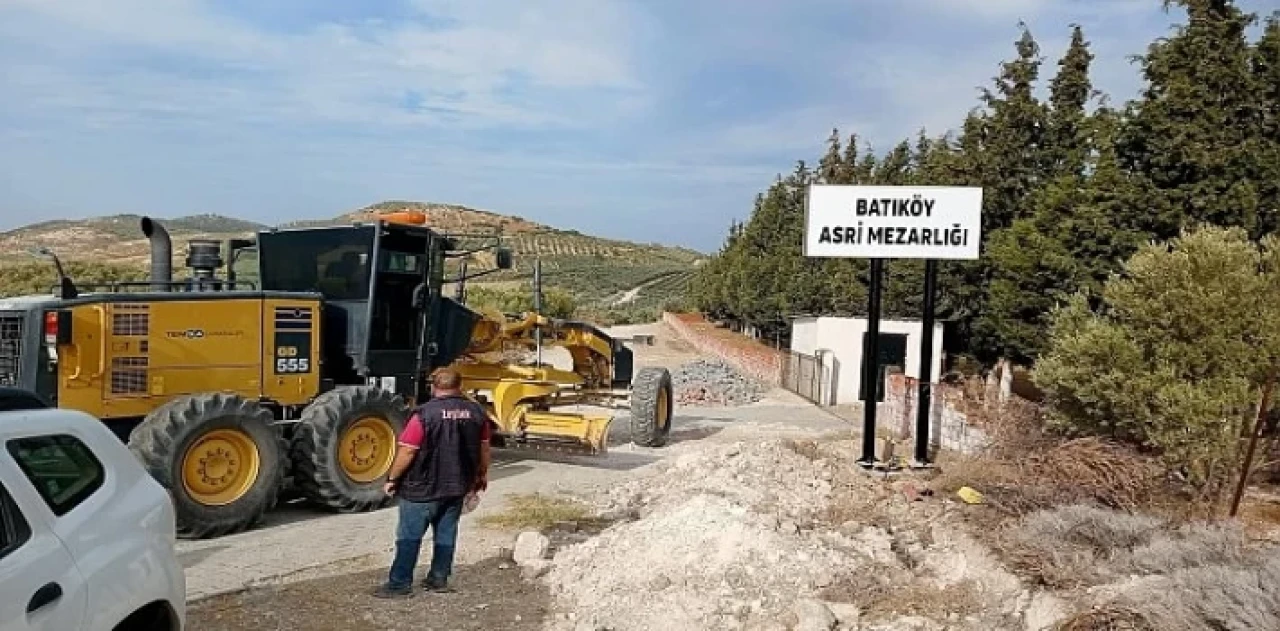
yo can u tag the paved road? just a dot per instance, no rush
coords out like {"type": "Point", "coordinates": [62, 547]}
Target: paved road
{"type": "Point", "coordinates": [299, 543]}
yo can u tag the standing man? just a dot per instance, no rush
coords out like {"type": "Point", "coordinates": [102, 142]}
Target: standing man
{"type": "Point", "coordinates": [443, 456]}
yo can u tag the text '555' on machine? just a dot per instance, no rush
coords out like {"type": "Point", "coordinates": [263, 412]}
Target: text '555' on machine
{"type": "Point", "coordinates": [231, 390]}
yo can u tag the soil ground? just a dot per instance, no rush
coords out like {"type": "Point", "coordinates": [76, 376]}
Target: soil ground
{"type": "Point", "coordinates": [304, 569]}
{"type": "Point", "coordinates": [489, 595]}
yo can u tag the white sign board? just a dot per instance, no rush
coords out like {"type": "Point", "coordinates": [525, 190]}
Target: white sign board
{"type": "Point", "coordinates": [892, 222]}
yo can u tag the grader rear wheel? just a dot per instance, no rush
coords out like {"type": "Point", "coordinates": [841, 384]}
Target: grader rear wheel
{"type": "Point", "coordinates": [219, 456]}
{"type": "Point", "coordinates": [651, 407]}
{"type": "Point", "coordinates": [344, 445]}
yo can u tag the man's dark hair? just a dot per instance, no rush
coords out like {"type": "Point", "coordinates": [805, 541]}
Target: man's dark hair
{"type": "Point", "coordinates": [446, 379]}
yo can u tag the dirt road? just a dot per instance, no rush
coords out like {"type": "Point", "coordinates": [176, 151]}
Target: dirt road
{"type": "Point", "coordinates": [339, 558]}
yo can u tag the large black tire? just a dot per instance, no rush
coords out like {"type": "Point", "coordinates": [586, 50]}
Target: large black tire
{"type": "Point", "coordinates": [317, 469]}
{"type": "Point", "coordinates": [652, 405]}
{"type": "Point", "coordinates": [161, 441]}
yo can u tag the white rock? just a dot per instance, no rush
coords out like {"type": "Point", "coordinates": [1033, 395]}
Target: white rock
{"type": "Point", "coordinates": [530, 546]}
{"type": "Point", "coordinates": [813, 615]}
{"type": "Point", "coordinates": [848, 614]}
{"type": "Point", "coordinates": [1045, 612]}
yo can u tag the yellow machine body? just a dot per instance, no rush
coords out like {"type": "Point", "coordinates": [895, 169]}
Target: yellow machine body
{"type": "Point", "coordinates": [520, 397]}
{"type": "Point", "coordinates": [130, 355]}
{"type": "Point", "coordinates": [229, 396]}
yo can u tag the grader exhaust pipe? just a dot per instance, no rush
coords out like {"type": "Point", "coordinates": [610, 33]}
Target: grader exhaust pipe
{"type": "Point", "coordinates": [161, 253]}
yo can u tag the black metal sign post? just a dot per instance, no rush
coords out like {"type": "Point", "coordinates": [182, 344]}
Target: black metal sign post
{"type": "Point", "coordinates": [923, 407]}
{"type": "Point", "coordinates": [894, 222]}
{"type": "Point", "coordinates": [871, 365]}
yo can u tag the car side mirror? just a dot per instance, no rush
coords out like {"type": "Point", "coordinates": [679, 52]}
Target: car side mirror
{"type": "Point", "coordinates": [504, 258]}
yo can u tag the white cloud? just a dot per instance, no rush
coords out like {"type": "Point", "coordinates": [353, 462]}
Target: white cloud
{"type": "Point", "coordinates": [490, 68]}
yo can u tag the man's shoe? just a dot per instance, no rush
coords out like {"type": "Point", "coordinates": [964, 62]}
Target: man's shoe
{"type": "Point", "coordinates": [437, 586]}
{"type": "Point", "coordinates": [386, 591]}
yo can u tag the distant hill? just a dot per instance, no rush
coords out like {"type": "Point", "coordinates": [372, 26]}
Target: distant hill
{"type": "Point", "coordinates": [599, 272]}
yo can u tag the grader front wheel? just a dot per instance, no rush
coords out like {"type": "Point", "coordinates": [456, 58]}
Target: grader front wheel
{"type": "Point", "coordinates": [219, 456]}
{"type": "Point", "coordinates": [344, 445]}
{"type": "Point", "coordinates": [651, 407]}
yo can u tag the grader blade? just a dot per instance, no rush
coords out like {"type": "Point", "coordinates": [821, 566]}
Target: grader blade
{"type": "Point", "coordinates": [564, 433]}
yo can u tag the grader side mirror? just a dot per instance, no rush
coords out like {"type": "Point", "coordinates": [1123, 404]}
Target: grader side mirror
{"type": "Point", "coordinates": [503, 256]}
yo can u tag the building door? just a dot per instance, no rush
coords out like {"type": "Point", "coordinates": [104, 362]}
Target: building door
{"type": "Point", "coordinates": [893, 352]}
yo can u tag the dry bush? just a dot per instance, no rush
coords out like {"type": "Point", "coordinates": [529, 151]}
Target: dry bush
{"type": "Point", "coordinates": [883, 593]}
{"type": "Point", "coordinates": [1072, 546]}
{"type": "Point", "coordinates": [1213, 597]}
{"type": "Point", "coordinates": [1082, 545]}
{"type": "Point", "coordinates": [1026, 468]}
{"type": "Point", "coordinates": [1107, 619]}
{"type": "Point", "coordinates": [1192, 545]}
{"type": "Point", "coordinates": [922, 599]}
{"type": "Point", "coordinates": [1087, 470]}
{"type": "Point", "coordinates": [1014, 425]}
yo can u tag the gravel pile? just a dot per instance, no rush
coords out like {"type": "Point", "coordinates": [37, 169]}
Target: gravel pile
{"type": "Point", "coordinates": [714, 383]}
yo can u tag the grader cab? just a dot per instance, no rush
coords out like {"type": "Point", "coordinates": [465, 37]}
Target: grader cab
{"type": "Point", "coordinates": [230, 391]}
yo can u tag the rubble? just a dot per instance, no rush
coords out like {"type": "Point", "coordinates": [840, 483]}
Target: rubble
{"type": "Point", "coordinates": [732, 536]}
{"type": "Point", "coordinates": [707, 382]}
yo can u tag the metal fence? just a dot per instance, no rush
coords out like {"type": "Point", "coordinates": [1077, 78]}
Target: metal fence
{"type": "Point", "coordinates": [806, 376]}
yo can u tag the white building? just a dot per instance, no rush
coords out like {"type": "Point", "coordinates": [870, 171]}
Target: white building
{"type": "Point", "coordinates": [839, 343]}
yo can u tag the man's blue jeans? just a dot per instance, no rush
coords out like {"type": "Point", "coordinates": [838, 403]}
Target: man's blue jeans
{"type": "Point", "coordinates": [442, 516]}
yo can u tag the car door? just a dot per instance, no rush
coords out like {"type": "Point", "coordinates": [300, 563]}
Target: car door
{"type": "Point", "coordinates": [40, 587]}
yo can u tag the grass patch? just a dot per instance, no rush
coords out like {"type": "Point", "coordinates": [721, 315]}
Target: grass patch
{"type": "Point", "coordinates": [537, 512]}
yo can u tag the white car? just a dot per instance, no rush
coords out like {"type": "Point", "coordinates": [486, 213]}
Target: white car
{"type": "Point", "coordinates": [86, 535]}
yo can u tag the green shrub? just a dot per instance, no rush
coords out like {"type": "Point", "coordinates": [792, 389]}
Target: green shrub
{"type": "Point", "coordinates": [1177, 355]}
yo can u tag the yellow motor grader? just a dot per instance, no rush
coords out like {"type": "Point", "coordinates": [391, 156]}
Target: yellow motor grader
{"type": "Point", "coordinates": [231, 390]}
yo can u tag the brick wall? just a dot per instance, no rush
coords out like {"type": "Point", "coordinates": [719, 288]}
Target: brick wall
{"type": "Point", "coordinates": [949, 426]}
{"type": "Point", "coordinates": [747, 355]}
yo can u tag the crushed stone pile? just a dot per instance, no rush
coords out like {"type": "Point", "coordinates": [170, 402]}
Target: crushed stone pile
{"type": "Point", "coordinates": [726, 537]}
{"type": "Point", "coordinates": [707, 382]}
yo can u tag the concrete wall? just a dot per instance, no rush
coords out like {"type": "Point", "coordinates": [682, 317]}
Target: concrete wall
{"type": "Point", "coordinates": [949, 426]}
{"type": "Point", "coordinates": [747, 355]}
{"type": "Point", "coordinates": [843, 337]}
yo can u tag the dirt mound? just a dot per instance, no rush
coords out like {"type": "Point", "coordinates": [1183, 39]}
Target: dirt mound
{"type": "Point", "coordinates": [740, 536]}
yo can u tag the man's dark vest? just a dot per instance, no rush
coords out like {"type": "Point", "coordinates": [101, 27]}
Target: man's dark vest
{"type": "Point", "coordinates": [445, 466]}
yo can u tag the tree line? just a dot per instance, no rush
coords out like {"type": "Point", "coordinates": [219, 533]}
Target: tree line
{"type": "Point", "coordinates": [1074, 187]}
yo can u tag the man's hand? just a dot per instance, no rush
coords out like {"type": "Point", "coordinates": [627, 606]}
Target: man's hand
{"type": "Point", "coordinates": [481, 483]}
{"type": "Point", "coordinates": [389, 488]}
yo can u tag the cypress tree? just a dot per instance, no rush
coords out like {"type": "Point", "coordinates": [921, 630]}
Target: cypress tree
{"type": "Point", "coordinates": [1190, 134]}
{"type": "Point", "coordinates": [1266, 68]}
{"type": "Point", "coordinates": [1067, 147]}
{"type": "Point", "coordinates": [1014, 138]}
{"type": "Point", "coordinates": [1035, 263]}
{"type": "Point", "coordinates": [831, 166]}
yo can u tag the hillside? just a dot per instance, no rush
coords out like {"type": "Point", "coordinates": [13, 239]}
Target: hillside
{"type": "Point", "coordinates": [599, 272]}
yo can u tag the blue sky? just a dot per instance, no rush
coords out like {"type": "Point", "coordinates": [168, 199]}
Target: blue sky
{"type": "Point", "coordinates": [649, 120]}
